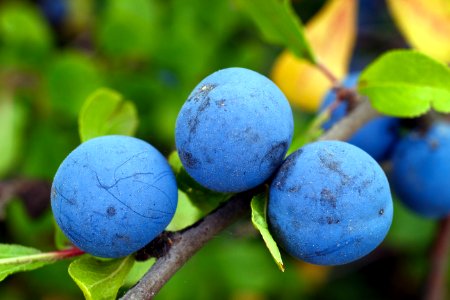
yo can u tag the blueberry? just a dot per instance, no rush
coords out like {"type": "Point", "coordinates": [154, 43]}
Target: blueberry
{"type": "Point", "coordinates": [234, 130]}
{"type": "Point", "coordinates": [329, 204]}
{"type": "Point", "coordinates": [420, 171]}
{"type": "Point", "coordinates": [377, 137]}
{"type": "Point", "coordinates": [113, 194]}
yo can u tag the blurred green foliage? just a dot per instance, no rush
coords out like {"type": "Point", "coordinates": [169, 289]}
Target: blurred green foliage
{"type": "Point", "coordinates": [154, 52]}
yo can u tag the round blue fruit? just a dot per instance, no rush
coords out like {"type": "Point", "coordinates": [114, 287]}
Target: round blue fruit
{"type": "Point", "coordinates": [377, 137]}
{"type": "Point", "coordinates": [420, 171]}
{"type": "Point", "coordinates": [113, 194]}
{"type": "Point", "coordinates": [234, 130]}
{"type": "Point", "coordinates": [329, 204]}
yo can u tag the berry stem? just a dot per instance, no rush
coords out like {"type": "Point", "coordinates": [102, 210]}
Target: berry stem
{"type": "Point", "coordinates": [436, 287]}
{"type": "Point", "coordinates": [328, 74]}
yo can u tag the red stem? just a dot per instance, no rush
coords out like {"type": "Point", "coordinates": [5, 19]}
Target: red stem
{"type": "Point", "coordinates": [66, 253]}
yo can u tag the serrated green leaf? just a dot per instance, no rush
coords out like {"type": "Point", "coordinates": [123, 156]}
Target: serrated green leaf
{"type": "Point", "coordinates": [259, 220]}
{"type": "Point", "coordinates": [406, 83]}
{"type": "Point", "coordinates": [98, 278]}
{"type": "Point", "coordinates": [279, 24]}
{"type": "Point", "coordinates": [17, 258]}
{"type": "Point", "coordinates": [106, 112]}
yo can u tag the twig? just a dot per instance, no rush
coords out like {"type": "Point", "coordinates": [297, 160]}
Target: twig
{"type": "Point", "coordinates": [186, 243]}
{"type": "Point", "coordinates": [344, 129]}
{"type": "Point", "coordinates": [436, 287]}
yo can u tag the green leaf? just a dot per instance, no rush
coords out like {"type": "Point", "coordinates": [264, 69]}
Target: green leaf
{"type": "Point", "coordinates": [185, 215]}
{"type": "Point", "coordinates": [204, 199]}
{"type": "Point", "coordinates": [124, 28]}
{"type": "Point", "coordinates": [12, 119]}
{"type": "Point", "coordinates": [17, 258]}
{"type": "Point", "coordinates": [106, 112]}
{"type": "Point", "coordinates": [279, 24]}
{"type": "Point", "coordinates": [406, 83]}
{"type": "Point", "coordinates": [259, 220]}
{"type": "Point", "coordinates": [8, 267]}
{"type": "Point", "coordinates": [61, 241]}
{"type": "Point", "coordinates": [98, 278]}
{"type": "Point", "coordinates": [25, 35]}
{"type": "Point", "coordinates": [137, 272]}
{"type": "Point", "coordinates": [70, 78]}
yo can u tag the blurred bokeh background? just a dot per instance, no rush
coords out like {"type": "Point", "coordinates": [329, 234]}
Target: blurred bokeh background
{"type": "Point", "coordinates": [54, 53]}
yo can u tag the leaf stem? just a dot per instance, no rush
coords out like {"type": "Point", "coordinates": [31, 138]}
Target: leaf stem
{"type": "Point", "coordinates": [46, 256]}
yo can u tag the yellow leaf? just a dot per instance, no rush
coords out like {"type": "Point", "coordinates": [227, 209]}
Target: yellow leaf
{"type": "Point", "coordinates": [331, 34]}
{"type": "Point", "coordinates": [425, 24]}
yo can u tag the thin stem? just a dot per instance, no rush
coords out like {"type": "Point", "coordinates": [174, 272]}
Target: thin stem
{"type": "Point", "coordinates": [328, 74]}
{"type": "Point", "coordinates": [436, 287]}
{"type": "Point", "coordinates": [47, 256]}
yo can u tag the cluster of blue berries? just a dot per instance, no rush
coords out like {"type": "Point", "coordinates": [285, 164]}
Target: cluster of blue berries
{"type": "Point", "coordinates": [329, 201]}
{"type": "Point", "coordinates": [419, 159]}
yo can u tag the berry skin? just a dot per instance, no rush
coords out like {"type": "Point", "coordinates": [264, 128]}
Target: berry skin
{"type": "Point", "coordinates": [234, 130]}
{"type": "Point", "coordinates": [112, 195]}
{"type": "Point", "coordinates": [377, 137]}
{"type": "Point", "coordinates": [420, 171]}
{"type": "Point", "coordinates": [329, 204]}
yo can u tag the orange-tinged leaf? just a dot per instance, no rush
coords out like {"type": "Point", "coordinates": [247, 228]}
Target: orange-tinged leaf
{"type": "Point", "coordinates": [425, 24]}
{"type": "Point", "coordinates": [331, 34]}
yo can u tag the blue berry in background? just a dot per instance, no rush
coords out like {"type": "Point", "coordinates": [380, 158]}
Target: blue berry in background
{"type": "Point", "coordinates": [113, 194]}
{"type": "Point", "coordinates": [377, 137]}
{"type": "Point", "coordinates": [421, 171]}
{"type": "Point", "coordinates": [55, 10]}
{"type": "Point", "coordinates": [329, 203]}
{"type": "Point", "coordinates": [234, 130]}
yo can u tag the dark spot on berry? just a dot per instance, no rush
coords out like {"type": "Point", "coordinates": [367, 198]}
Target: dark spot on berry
{"type": "Point", "coordinates": [327, 198]}
{"type": "Point", "coordinates": [189, 160]}
{"type": "Point", "coordinates": [286, 170]}
{"type": "Point", "coordinates": [111, 211]}
{"type": "Point", "coordinates": [275, 154]}
{"type": "Point", "coordinates": [381, 212]}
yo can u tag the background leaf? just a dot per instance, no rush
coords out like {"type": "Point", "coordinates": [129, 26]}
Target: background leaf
{"type": "Point", "coordinates": [279, 24]}
{"type": "Point", "coordinates": [12, 121]}
{"type": "Point", "coordinates": [406, 83]}
{"type": "Point", "coordinates": [425, 24]}
{"type": "Point", "coordinates": [259, 220]}
{"type": "Point", "coordinates": [332, 33]}
{"type": "Point", "coordinates": [105, 112]}
{"type": "Point", "coordinates": [100, 279]}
